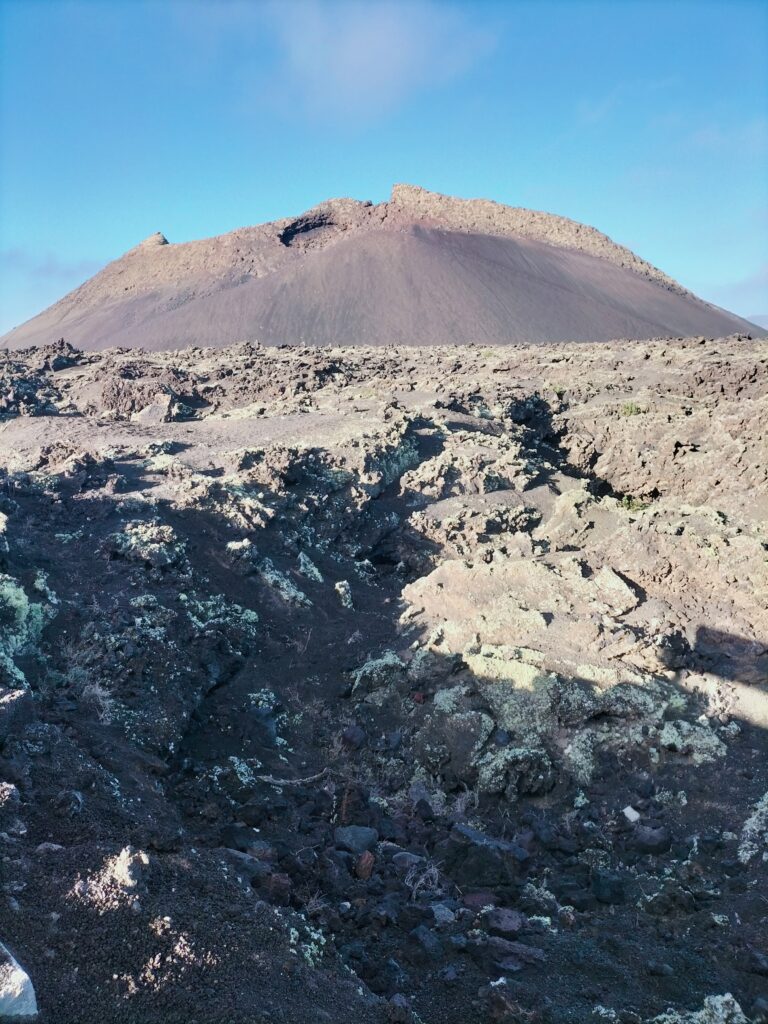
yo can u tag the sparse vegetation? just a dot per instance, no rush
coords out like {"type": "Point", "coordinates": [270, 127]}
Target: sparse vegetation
{"type": "Point", "coordinates": [632, 504]}
{"type": "Point", "coordinates": [423, 879]}
{"type": "Point", "coordinates": [631, 409]}
{"type": "Point", "coordinates": [98, 696]}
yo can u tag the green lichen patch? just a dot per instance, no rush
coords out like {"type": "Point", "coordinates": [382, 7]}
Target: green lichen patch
{"type": "Point", "coordinates": [152, 544]}
{"type": "Point", "coordinates": [21, 625]}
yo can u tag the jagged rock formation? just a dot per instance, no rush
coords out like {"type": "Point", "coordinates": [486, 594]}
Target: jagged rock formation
{"type": "Point", "coordinates": [422, 268]}
{"type": "Point", "coordinates": [365, 685]}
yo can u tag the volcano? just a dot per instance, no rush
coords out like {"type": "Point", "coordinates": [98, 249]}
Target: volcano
{"type": "Point", "coordinates": [421, 268]}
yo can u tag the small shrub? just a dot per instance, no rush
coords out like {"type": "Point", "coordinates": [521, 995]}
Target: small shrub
{"type": "Point", "coordinates": [631, 409]}
{"type": "Point", "coordinates": [424, 879]}
{"type": "Point", "coordinates": [468, 800]}
{"type": "Point", "coordinates": [99, 697]}
{"type": "Point", "coordinates": [632, 504]}
{"type": "Point", "coordinates": [315, 904]}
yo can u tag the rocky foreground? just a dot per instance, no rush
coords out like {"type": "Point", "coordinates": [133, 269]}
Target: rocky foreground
{"type": "Point", "coordinates": [385, 685]}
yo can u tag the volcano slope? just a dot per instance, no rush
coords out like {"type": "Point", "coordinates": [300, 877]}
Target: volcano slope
{"type": "Point", "coordinates": [379, 685]}
{"type": "Point", "coordinates": [420, 266]}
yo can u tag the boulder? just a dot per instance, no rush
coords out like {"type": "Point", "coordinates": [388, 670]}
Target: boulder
{"type": "Point", "coordinates": [652, 840]}
{"type": "Point", "coordinates": [608, 887]}
{"type": "Point", "coordinates": [424, 945]}
{"type": "Point", "coordinates": [17, 995]}
{"type": "Point", "coordinates": [403, 861]}
{"type": "Point", "coordinates": [450, 743]}
{"type": "Point", "coordinates": [473, 858]}
{"type": "Point", "coordinates": [355, 838]}
{"type": "Point", "coordinates": [364, 865]}
{"type": "Point", "coordinates": [159, 410]}
{"type": "Point", "coordinates": [504, 922]}
{"type": "Point", "coordinates": [16, 710]}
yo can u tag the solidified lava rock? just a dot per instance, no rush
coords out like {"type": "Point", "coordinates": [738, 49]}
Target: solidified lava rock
{"type": "Point", "coordinates": [385, 684]}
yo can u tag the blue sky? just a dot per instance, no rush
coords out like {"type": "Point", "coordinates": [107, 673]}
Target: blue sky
{"type": "Point", "coordinates": [648, 120]}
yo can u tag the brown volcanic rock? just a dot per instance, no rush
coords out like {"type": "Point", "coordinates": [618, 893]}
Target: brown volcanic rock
{"type": "Point", "coordinates": [422, 268]}
{"type": "Point", "coordinates": [364, 684]}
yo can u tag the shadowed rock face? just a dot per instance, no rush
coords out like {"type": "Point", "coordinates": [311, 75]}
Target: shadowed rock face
{"type": "Point", "coordinates": [340, 684]}
{"type": "Point", "coordinates": [421, 268]}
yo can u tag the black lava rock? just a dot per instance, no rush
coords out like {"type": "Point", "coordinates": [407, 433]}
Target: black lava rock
{"type": "Point", "coordinates": [608, 887]}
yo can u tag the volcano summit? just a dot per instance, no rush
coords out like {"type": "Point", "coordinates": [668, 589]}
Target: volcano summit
{"type": "Point", "coordinates": [422, 268]}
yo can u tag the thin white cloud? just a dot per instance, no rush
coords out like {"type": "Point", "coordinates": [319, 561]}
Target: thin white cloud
{"type": "Point", "coordinates": [333, 59]}
{"type": "Point", "coordinates": [748, 137]}
{"type": "Point", "coordinates": [351, 58]}
{"type": "Point", "coordinates": [594, 111]}
{"type": "Point", "coordinates": [627, 96]}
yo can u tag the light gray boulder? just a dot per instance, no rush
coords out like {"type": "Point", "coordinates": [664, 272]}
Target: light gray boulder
{"type": "Point", "coordinates": [17, 995]}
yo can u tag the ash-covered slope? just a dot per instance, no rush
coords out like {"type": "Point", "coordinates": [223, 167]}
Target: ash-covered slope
{"type": "Point", "coordinates": [422, 268]}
